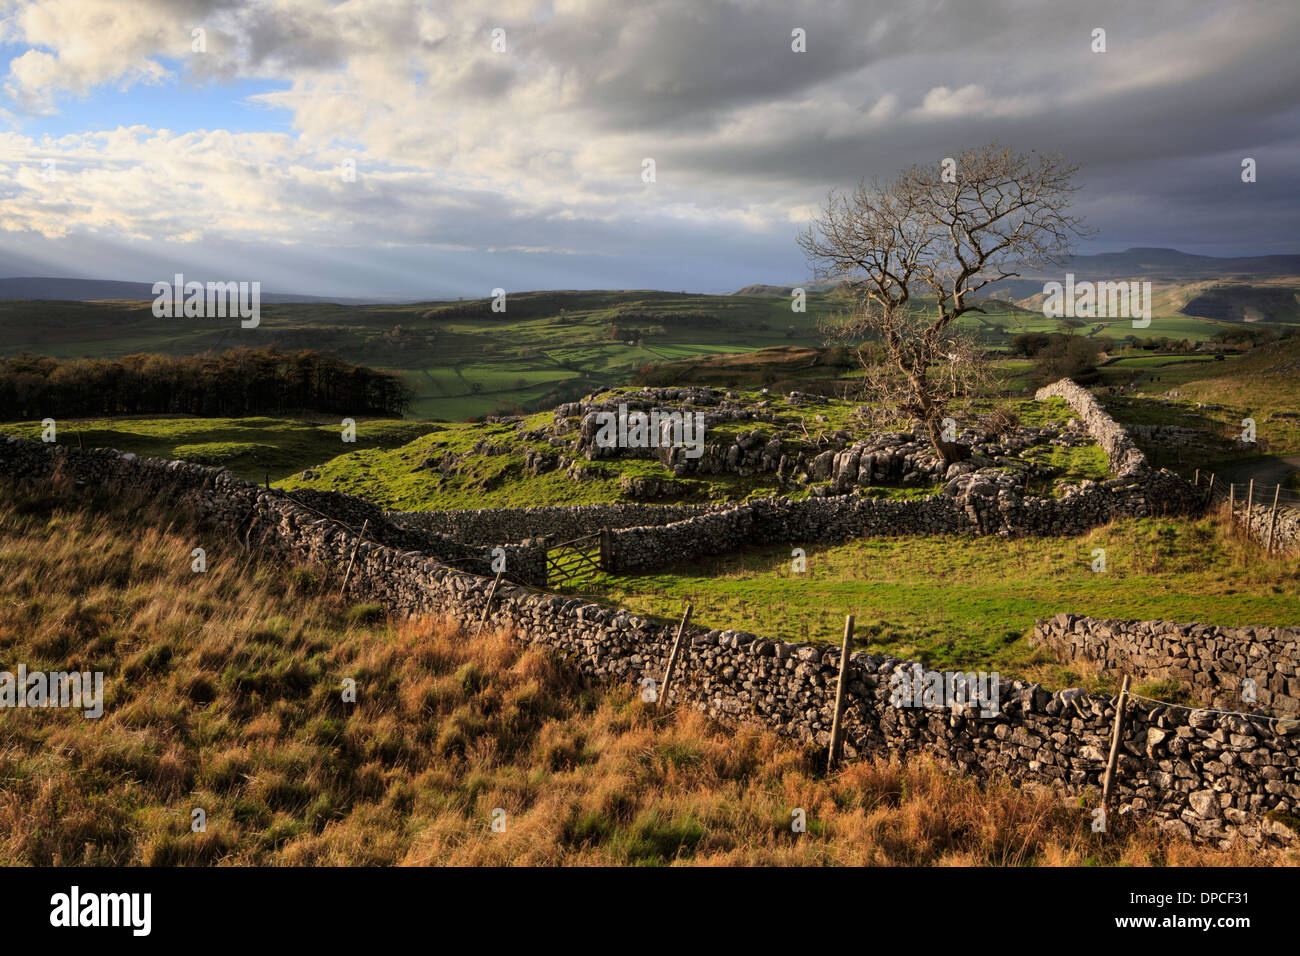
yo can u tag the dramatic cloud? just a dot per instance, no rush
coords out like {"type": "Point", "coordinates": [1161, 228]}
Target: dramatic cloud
{"type": "Point", "coordinates": [518, 132]}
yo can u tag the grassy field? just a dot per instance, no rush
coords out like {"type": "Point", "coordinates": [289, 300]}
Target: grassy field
{"type": "Point", "coordinates": [222, 693]}
{"type": "Point", "coordinates": [463, 360]}
{"type": "Point", "coordinates": [1263, 384]}
{"type": "Point", "coordinates": [389, 461]}
{"type": "Point", "coordinates": [969, 603]}
{"type": "Point", "coordinates": [394, 462]}
{"type": "Point", "coordinates": [1147, 362]}
{"type": "Point", "coordinates": [250, 447]}
{"type": "Point", "coordinates": [399, 478]}
{"type": "Point", "coordinates": [460, 358]}
{"type": "Point", "coordinates": [1183, 307]}
{"type": "Point", "coordinates": [996, 330]}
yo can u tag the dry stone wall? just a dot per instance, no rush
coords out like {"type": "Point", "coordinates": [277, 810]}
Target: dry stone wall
{"type": "Point", "coordinates": [636, 549]}
{"type": "Point", "coordinates": [983, 501]}
{"type": "Point", "coordinates": [1126, 460]}
{"type": "Point", "coordinates": [1259, 520]}
{"type": "Point", "coordinates": [197, 485]}
{"type": "Point", "coordinates": [989, 501]}
{"type": "Point", "coordinates": [1215, 662]}
{"type": "Point", "coordinates": [1125, 457]}
{"type": "Point", "coordinates": [560, 523]}
{"type": "Point", "coordinates": [524, 561]}
{"type": "Point", "coordinates": [1212, 777]}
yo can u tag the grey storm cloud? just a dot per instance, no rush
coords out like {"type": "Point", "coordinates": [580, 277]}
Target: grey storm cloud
{"type": "Point", "coordinates": [531, 160]}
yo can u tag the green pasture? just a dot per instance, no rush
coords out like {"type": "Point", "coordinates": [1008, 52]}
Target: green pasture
{"type": "Point", "coordinates": [250, 447]}
{"type": "Point", "coordinates": [968, 602]}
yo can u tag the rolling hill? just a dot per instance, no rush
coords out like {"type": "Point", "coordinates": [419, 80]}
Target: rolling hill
{"type": "Point", "coordinates": [464, 359]}
{"type": "Point", "coordinates": [1236, 289]}
{"type": "Point", "coordinates": [47, 288]}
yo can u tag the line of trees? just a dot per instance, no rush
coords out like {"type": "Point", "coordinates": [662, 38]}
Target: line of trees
{"type": "Point", "coordinates": [1252, 335]}
{"type": "Point", "coordinates": [239, 382]}
{"type": "Point", "coordinates": [1059, 355]}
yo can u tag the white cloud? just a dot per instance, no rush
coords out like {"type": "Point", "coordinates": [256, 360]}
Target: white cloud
{"type": "Point", "coordinates": [541, 147]}
{"type": "Point", "coordinates": [972, 101]}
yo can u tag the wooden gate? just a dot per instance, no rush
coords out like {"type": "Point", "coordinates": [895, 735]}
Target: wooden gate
{"type": "Point", "coordinates": [569, 562]}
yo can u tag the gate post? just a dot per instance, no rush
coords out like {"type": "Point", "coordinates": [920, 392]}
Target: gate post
{"type": "Point", "coordinates": [833, 755]}
{"type": "Point", "coordinates": [606, 551]}
{"type": "Point", "coordinates": [1272, 521]}
{"type": "Point", "coordinates": [1117, 734]}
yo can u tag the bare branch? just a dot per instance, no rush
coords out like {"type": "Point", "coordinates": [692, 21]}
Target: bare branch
{"type": "Point", "coordinates": [890, 244]}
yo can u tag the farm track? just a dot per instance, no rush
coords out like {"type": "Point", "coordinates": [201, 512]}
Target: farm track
{"type": "Point", "coordinates": [1269, 471]}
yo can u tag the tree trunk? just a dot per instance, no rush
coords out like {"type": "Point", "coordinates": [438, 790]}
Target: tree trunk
{"type": "Point", "coordinates": [948, 451]}
{"type": "Point", "coordinates": [932, 419]}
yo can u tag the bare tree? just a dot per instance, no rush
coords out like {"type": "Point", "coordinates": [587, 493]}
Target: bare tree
{"type": "Point", "coordinates": [915, 252]}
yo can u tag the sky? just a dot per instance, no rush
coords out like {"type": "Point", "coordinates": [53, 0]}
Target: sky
{"type": "Point", "coordinates": [415, 150]}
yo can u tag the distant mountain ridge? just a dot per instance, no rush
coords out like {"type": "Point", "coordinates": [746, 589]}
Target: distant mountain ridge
{"type": "Point", "coordinates": [52, 288]}
{"type": "Point", "coordinates": [1144, 259]}
{"type": "Point", "coordinates": [1140, 261]}
{"type": "Point", "coordinates": [759, 288]}
{"type": "Point", "coordinates": [1137, 262]}
{"type": "Point", "coordinates": [1150, 263]}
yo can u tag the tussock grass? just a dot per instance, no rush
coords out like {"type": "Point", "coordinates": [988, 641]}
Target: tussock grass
{"type": "Point", "coordinates": [223, 693]}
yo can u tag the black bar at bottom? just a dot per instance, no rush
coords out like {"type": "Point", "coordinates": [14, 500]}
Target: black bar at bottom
{"type": "Point", "coordinates": [488, 907]}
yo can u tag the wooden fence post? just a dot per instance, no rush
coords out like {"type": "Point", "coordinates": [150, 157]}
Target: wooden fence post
{"type": "Point", "coordinates": [487, 607]}
{"type": "Point", "coordinates": [662, 697]}
{"type": "Point", "coordinates": [606, 551]}
{"type": "Point", "coordinates": [1115, 736]}
{"type": "Point", "coordinates": [1272, 520]}
{"type": "Point", "coordinates": [348, 576]}
{"type": "Point", "coordinates": [1209, 494]}
{"type": "Point", "coordinates": [1232, 502]}
{"type": "Point", "coordinates": [1196, 479]}
{"type": "Point", "coordinates": [833, 756]}
{"type": "Point", "coordinates": [1250, 503]}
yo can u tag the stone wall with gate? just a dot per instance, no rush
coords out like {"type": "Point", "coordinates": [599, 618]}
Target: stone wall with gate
{"type": "Point", "coordinates": [1217, 778]}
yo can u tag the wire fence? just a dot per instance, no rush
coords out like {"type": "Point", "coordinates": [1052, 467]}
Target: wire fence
{"type": "Point", "coordinates": [1240, 494]}
{"type": "Point", "coordinates": [1209, 710]}
{"type": "Point", "coordinates": [1241, 491]}
{"type": "Point", "coordinates": [1255, 507]}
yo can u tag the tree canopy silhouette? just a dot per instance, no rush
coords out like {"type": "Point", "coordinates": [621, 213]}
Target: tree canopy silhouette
{"type": "Point", "coordinates": [942, 232]}
{"type": "Point", "coordinates": [235, 383]}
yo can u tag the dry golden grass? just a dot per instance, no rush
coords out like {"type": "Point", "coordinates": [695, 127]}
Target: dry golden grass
{"type": "Point", "coordinates": [223, 693]}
